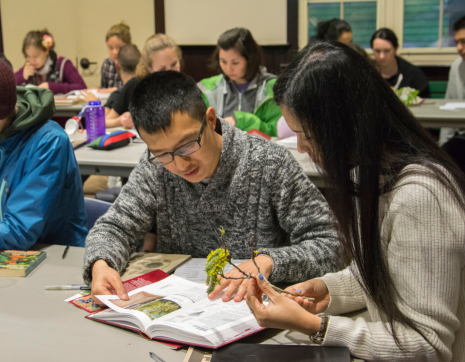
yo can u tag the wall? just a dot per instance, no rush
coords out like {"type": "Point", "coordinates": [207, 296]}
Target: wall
{"type": "Point", "coordinates": [195, 22]}
{"type": "Point", "coordinates": [79, 27]}
{"type": "Point", "coordinates": [21, 16]}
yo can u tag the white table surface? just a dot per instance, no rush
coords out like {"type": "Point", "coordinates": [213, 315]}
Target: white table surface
{"type": "Point", "coordinates": [430, 116]}
{"type": "Point", "coordinates": [37, 325]}
{"type": "Point", "coordinates": [121, 161]}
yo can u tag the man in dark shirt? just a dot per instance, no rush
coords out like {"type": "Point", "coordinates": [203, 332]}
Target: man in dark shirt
{"type": "Point", "coordinates": [128, 58]}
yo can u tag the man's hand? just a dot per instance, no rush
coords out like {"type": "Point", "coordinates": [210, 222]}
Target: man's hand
{"type": "Point", "coordinates": [126, 120]}
{"type": "Point", "coordinates": [28, 71]}
{"type": "Point", "coordinates": [104, 280]}
{"type": "Point", "coordinates": [266, 266]}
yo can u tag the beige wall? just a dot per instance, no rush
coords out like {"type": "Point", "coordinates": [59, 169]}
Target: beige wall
{"type": "Point", "coordinates": [21, 16]}
{"type": "Point", "coordinates": [79, 27]}
{"type": "Point", "coordinates": [202, 21]}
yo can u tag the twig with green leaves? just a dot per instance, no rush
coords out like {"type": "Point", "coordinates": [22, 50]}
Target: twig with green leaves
{"type": "Point", "coordinates": [218, 259]}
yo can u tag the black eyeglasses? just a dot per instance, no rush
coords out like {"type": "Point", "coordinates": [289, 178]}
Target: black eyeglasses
{"type": "Point", "coordinates": [183, 151]}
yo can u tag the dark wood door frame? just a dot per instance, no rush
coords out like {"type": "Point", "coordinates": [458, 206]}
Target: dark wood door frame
{"type": "Point", "coordinates": [1, 31]}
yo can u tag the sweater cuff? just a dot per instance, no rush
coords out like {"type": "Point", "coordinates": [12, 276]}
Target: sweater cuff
{"type": "Point", "coordinates": [88, 265]}
{"type": "Point", "coordinates": [340, 301]}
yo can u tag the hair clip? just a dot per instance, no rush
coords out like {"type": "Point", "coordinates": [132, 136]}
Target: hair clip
{"type": "Point", "coordinates": [47, 41]}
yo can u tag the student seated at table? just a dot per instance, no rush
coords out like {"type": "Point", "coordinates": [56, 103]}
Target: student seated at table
{"type": "Point", "coordinates": [200, 173]}
{"type": "Point", "coordinates": [243, 93]}
{"type": "Point", "coordinates": [334, 29]}
{"type": "Point", "coordinates": [44, 68]}
{"type": "Point", "coordinates": [118, 103]}
{"type": "Point", "coordinates": [456, 90]}
{"type": "Point", "coordinates": [117, 37]}
{"type": "Point", "coordinates": [41, 198]}
{"type": "Point", "coordinates": [399, 203]}
{"type": "Point", "coordinates": [160, 53]}
{"type": "Point", "coordinates": [395, 70]}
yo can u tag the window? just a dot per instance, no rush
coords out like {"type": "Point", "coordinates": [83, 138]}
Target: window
{"type": "Point", "coordinates": [361, 15]}
{"type": "Point", "coordinates": [440, 15]}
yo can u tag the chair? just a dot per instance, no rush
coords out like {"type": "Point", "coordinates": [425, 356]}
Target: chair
{"type": "Point", "coordinates": [95, 209]}
{"type": "Point", "coordinates": [438, 89]}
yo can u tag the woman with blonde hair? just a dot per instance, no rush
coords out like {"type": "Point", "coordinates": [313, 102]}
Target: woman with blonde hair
{"type": "Point", "coordinates": [117, 37]}
{"type": "Point", "coordinates": [160, 53]}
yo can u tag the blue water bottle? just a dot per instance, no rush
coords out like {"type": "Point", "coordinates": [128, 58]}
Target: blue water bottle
{"type": "Point", "coordinates": [95, 120]}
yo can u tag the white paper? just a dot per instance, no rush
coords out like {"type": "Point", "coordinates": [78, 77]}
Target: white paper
{"type": "Point", "coordinates": [194, 270]}
{"type": "Point", "coordinates": [452, 106]}
{"type": "Point", "coordinates": [290, 142]}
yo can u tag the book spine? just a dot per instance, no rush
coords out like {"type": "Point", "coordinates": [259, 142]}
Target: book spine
{"type": "Point", "coordinates": [35, 263]}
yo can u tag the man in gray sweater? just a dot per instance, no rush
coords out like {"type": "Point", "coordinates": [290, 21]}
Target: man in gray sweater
{"type": "Point", "coordinates": [201, 173]}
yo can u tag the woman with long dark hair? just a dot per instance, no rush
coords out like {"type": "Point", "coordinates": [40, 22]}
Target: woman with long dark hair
{"type": "Point", "coordinates": [243, 91]}
{"type": "Point", "coordinates": [398, 201]}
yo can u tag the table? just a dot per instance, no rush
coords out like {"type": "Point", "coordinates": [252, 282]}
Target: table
{"type": "Point", "coordinates": [121, 161]}
{"type": "Point", "coordinates": [37, 325]}
{"type": "Point", "coordinates": [430, 116]}
{"type": "Point", "coordinates": [67, 111]}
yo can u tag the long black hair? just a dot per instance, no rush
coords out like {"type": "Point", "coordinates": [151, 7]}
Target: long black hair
{"type": "Point", "coordinates": [332, 29]}
{"type": "Point", "coordinates": [361, 131]}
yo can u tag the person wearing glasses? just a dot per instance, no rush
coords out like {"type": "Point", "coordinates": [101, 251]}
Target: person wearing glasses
{"type": "Point", "coordinates": [201, 173]}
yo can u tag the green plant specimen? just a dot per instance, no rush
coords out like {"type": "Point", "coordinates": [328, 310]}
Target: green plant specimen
{"type": "Point", "coordinates": [217, 260]}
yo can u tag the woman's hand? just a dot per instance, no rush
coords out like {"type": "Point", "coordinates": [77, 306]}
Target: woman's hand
{"type": "Point", "coordinates": [28, 71]}
{"type": "Point", "coordinates": [231, 120]}
{"type": "Point", "coordinates": [281, 312]}
{"type": "Point", "coordinates": [43, 85]}
{"type": "Point", "coordinates": [266, 266]}
{"type": "Point", "coordinates": [313, 288]}
{"type": "Point", "coordinates": [105, 280]}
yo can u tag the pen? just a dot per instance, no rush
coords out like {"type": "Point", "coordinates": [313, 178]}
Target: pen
{"type": "Point", "coordinates": [156, 358]}
{"type": "Point", "coordinates": [65, 252]}
{"type": "Point", "coordinates": [67, 287]}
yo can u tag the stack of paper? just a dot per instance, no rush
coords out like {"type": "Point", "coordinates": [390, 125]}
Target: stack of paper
{"type": "Point", "coordinates": [453, 106]}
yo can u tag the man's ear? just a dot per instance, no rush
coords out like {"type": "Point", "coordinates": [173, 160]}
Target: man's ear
{"type": "Point", "coordinates": [211, 117]}
{"type": "Point", "coordinates": [118, 68]}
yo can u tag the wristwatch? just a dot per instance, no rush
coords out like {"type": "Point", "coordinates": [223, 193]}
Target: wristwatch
{"type": "Point", "coordinates": [319, 337]}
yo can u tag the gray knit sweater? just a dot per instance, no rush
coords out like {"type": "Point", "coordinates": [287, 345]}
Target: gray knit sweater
{"type": "Point", "coordinates": [258, 189]}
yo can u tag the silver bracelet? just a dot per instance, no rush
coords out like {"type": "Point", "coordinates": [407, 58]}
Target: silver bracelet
{"type": "Point", "coordinates": [319, 337]}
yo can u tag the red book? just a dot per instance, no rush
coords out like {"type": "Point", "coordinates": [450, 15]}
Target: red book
{"type": "Point", "coordinates": [178, 311]}
{"type": "Point", "coordinates": [256, 132]}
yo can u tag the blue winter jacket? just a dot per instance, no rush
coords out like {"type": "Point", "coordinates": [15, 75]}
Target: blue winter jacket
{"type": "Point", "coordinates": [41, 197]}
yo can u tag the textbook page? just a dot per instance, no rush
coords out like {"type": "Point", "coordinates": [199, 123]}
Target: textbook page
{"type": "Point", "coordinates": [452, 106]}
{"type": "Point", "coordinates": [194, 269]}
{"type": "Point", "coordinates": [208, 322]}
{"type": "Point", "coordinates": [153, 301]}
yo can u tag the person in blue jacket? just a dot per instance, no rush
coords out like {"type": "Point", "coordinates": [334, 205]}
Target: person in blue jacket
{"type": "Point", "coordinates": [41, 197]}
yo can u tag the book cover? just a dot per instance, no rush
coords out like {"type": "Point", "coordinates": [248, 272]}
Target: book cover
{"type": "Point", "coordinates": [17, 263]}
{"type": "Point", "coordinates": [277, 353]}
{"type": "Point", "coordinates": [142, 263]}
{"type": "Point", "coordinates": [87, 303]}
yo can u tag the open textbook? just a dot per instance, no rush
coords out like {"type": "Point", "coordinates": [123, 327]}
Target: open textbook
{"type": "Point", "coordinates": [177, 310]}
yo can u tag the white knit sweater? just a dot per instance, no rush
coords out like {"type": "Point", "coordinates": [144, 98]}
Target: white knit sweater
{"type": "Point", "coordinates": [424, 232]}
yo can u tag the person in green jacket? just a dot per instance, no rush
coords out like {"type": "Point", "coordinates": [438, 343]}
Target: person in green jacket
{"type": "Point", "coordinates": [243, 93]}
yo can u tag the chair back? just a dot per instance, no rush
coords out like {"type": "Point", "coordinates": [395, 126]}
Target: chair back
{"type": "Point", "coordinates": [95, 209]}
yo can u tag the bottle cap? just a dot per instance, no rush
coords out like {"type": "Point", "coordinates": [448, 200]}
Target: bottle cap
{"type": "Point", "coordinates": [71, 126]}
{"type": "Point", "coordinates": [95, 103]}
